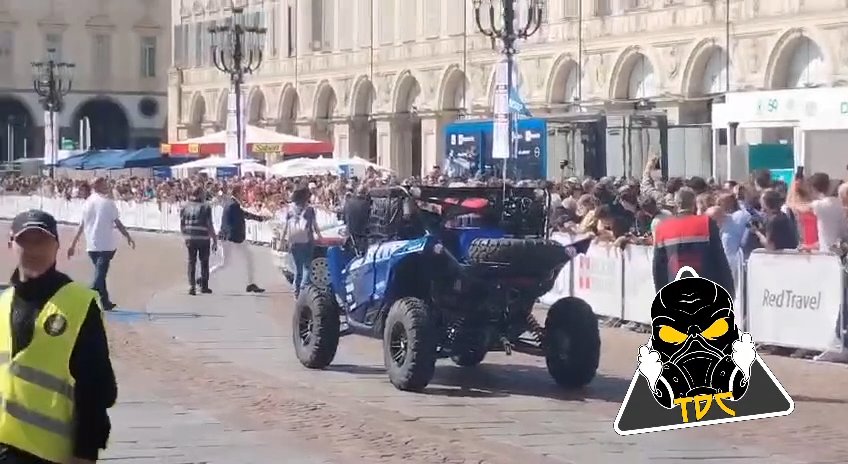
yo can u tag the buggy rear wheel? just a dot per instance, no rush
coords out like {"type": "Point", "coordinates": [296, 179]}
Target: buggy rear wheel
{"type": "Point", "coordinates": [572, 342]}
{"type": "Point", "coordinates": [315, 328]}
{"type": "Point", "coordinates": [409, 345]}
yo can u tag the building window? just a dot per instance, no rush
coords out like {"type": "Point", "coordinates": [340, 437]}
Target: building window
{"type": "Point", "coordinates": [7, 55]}
{"type": "Point", "coordinates": [272, 38]}
{"type": "Point", "coordinates": [602, 8]}
{"type": "Point", "coordinates": [386, 16]}
{"type": "Point", "coordinates": [322, 25]}
{"type": "Point", "coordinates": [102, 57]}
{"type": "Point", "coordinates": [199, 40]}
{"type": "Point", "coordinates": [54, 42]}
{"type": "Point", "coordinates": [291, 42]}
{"type": "Point", "coordinates": [148, 57]}
{"type": "Point", "coordinates": [571, 8]}
{"type": "Point", "coordinates": [178, 47]}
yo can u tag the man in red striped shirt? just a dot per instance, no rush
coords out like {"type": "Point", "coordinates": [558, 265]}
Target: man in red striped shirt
{"type": "Point", "coordinates": [689, 240]}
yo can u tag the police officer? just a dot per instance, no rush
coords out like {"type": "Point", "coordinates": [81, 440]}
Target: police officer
{"type": "Point", "coordinates": [690, 240]}
{"type": "Point", "coordinates": [58, 381]}
{"type": "Point", "coordinates": [200, 238]}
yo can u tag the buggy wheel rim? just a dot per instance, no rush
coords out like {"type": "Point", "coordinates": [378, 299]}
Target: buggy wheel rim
{"type": "Point", "coordinates": [304, 326]}
{"type": "Point", "coordinates": [319, 273]}
{"type": "Point", "coordinates": [398, 344]}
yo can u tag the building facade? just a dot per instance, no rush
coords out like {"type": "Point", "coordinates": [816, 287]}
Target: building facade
{"type": "Point", "coordinates": [120, 49]}
{"type": "Point", "coordinates": [382, 78]}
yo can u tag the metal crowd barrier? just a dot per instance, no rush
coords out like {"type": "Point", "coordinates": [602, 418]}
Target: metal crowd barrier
{"type": "Point", "coordinates": [787, 299]}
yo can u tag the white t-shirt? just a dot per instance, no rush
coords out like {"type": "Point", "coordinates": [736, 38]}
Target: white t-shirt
{"type": "Point", "coordinates": [98, 222]}
{"type": "Point", "coordinates": [831, 221]}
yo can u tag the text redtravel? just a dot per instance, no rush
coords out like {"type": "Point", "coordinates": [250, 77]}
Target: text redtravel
{"type": "Point", "coordinates": [788, 299]}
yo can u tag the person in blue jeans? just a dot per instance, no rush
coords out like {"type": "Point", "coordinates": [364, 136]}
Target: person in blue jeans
{"type": "Point", "coordinates": [300, 232]}
{"type": "Point", "coordinates": [100, 217]}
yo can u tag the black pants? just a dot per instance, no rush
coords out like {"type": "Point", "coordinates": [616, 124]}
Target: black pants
{"type": "Point", "coordinates": [198, 250]}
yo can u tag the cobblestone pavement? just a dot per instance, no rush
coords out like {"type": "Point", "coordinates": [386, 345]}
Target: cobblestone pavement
{"type": "Point", "coordinates": [224, 363]}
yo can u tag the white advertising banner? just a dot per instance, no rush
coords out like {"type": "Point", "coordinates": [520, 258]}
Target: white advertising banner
{"type": "Point", "coordinates": [562, 285]}
{"type": "Point", "coordinates": [500, 129]}
{"type": "Point", "coordinates": [598, 277]}
{"type": "Point", "coordinates": [639, 290]}
{"type": "Point", "coordinates": [794, 299]}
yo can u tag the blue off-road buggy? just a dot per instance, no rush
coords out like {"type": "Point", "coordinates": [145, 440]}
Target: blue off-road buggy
{"type": "Point", "coordinates": [450, 273]}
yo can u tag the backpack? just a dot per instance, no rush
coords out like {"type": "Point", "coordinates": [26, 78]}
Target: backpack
{"type": "Point", "coordinates": [298, 226]}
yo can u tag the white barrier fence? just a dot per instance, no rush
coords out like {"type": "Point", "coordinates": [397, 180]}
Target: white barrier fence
{"type": "Point", "coordinates": [152, 216]}
{"type": "Point", "coordinates": [786, 299]}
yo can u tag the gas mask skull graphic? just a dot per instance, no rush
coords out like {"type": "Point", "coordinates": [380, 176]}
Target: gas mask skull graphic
{"type": "Point", "coordinates": [696, 348]}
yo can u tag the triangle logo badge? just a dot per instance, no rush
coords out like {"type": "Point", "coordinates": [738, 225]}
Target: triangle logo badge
{"type": "Point", "coordinates": [698, 368]}
{"type": "Point", "coordinates": [640, 412]}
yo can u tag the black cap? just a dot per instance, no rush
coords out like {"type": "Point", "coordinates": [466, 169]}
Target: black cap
{"type": "Point", "coordinates": [34, 219]}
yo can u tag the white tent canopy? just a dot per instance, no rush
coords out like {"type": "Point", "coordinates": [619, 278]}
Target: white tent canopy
{"type": "Point", "coordinates": [306, 167]}
{"type": "Point", "coordinates": [209, 165]}
{"type": "Point", "coordinates": [253, 134]}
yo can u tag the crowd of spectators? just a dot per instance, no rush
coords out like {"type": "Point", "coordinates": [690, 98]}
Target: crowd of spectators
{"type": "Point", "coordinates": [808, 214]}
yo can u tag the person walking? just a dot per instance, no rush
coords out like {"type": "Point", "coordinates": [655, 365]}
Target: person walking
{"type": "Point", "coordinates": [200, 239]}
{"type": "Point", "coordinates": [58, 378]}
{"type": "Point", "coordinates": [300, 232]}
{"type": "Point", "coordinates": [100, 217]}
{"type": "Point", "coordinates": [233, 235]}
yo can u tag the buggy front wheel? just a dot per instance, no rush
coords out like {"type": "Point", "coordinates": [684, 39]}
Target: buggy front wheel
{"type": "Point", "coordinates": [409, 344]}
{"type": "Point", "coordinates": [572, 342]}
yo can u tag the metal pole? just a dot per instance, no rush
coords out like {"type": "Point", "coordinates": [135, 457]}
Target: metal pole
{"type": "Point", "coordinates": [580, 50]}
{"type": "Point", "coordinates": [10, 147]}
{"type": "Point", "coordinates": [727, 46]}
{"type": "Point", "coordinates": [509, 50]}
{"type": "Point", "coordinates": [237, 90]}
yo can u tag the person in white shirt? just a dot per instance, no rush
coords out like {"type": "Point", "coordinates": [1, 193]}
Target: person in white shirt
{"type": "Point", "coordinates": [100, 217]}
{"type": "Point", "coordinates": [830, 215]}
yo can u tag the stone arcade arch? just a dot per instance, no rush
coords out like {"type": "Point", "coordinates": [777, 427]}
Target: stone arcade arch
{"type": "Point", "coordinates": [634, 78]}
{"type": "Point", "coordinates": [256, 107]}
{"type": "Point", "coordinates": [565, 83]}
{"type": "Point", "coordinates": [110, 128]}
{"type": "Point", "coordinates": [518, 81]}
{"type": "Point", "coordinates": [407, 127]}
{"type": "Point", "coordinates": [798, 62]}
{"type": "Point", "coordinates": [363, 128]}
{"type": "Point", "coordinates": [197, 116]}
{"type": "Point", "coordinates": [707, 72]}
{"type": "Point", "coordinates": [19, 132]}
{"type": "Point", "coordinates": [325, 109]}
{"type": "Point", "coordinates": [455, 91]}
{"type": "Point", "coordinates": [289, 109]}
{"type": "Point", "coordinates": [221, 115]}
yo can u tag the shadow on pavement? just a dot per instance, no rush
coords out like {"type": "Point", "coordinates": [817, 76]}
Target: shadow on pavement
{"type": "Point", "coordinates": [501, 380]}
{"type": "Point", "coordinates": [357, 370]}
{"type": "Point", "coordinates": [122, 315]}
{"type": "Point", "coordinates": [815, 399]}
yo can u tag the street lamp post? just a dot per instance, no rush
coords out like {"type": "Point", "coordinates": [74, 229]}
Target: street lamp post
{"type": "Point", "coordinates": [52, 81]}
{"type": "Point", "coordinates": [508, 33]}
{"type": "Point", "coordinates": [236, 51]}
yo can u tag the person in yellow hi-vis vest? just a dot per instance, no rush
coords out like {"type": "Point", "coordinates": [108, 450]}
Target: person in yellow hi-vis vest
{"type": "Point", "coordinates": [56, 378]}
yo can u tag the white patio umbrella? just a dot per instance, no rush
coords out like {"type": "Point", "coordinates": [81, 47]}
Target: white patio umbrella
{"type": "Point", "coordinates": [306, 167]}
{"type": "Point", "coordinates": [357, 161]}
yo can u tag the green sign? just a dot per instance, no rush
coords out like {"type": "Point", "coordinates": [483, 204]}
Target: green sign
{"type": "Point", "coordinates": [68, 144]}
